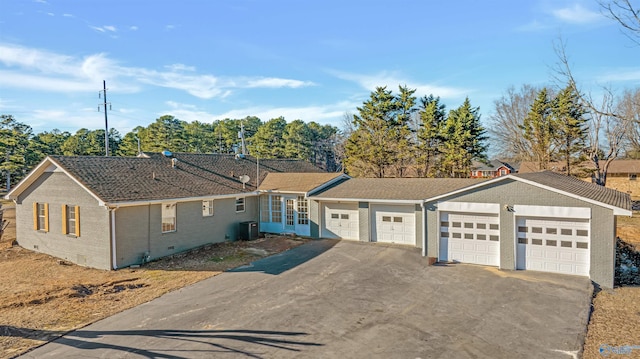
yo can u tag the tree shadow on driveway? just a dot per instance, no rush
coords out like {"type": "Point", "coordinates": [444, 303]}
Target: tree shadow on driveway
{"type": "Point", "coordinates": [292, 258]}
{"type": "Point", "coordinates": [218, 341]}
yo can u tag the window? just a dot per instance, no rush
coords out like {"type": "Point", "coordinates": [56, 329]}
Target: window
{"type": "Point", "coordinates": [582, 245]}
{"type": "Point", "coordinates": [566, 232]}
{"type": "Point", "coordinates": [456, 224]}
{"type": "Point", "coordinates": [240, 204]}
{"type": "Point", "coordinates": [468, 225]}
{"type": "Point", "coordinates": [264, 209]}
{"type": "Point", "coordinates": [566, 244]}
{"type": "Point", "coordinates": [536, 241]}
{"type": "Point", "coordinates": [482, 237]}
{"type": "Point", "coordinates": [522, 240]}
{"type": "Point", "coordinates": [303, 210]}
{"type": "Point", "coordinates": [494, 226]}
{"type": "Point", "coordinates": [481, 225]}
{"type": "Point", "coordinates": [456, 235]}
{"type": "Point", "coordinates": [468, 236]}
{"type": "Point", "coordinates": [276, 209]}
{"type": "Point", "coordinates": [552, 242]}
{"type": "Point", "coordinates": [503, 172]}
{"type": "Point", "coordinates": [536, 229]}
{"type": "Point", "coordinates": [444, 234]}
{"type": "Point", "coordinates": [397, 219]}
{"type": "Point", "coordinates": [168, 217]}
{"type": "Point", "coordinates": [386, 218]}
{"type": "Point", "coordinates": [523, 229]}
{"type": "Point", "coordinates": [344, 216]}
{"type": "Point", "coordinates": [41, 216]}
{"type": "Point", "coordinates": [335, 216]}
{"type": "Point", "coordinates": [582, 232]}
{"type": "Point", "coordinates": [494, 238]}
{"type": "Point", "coordinates": [552, 231]}
{"type": "Point", "coordinates": [444, 224]}
{"type": "Point", "coordinates": [633, 176]}
{"type": "Point", "coordinates": [71, 220]}
{"type": "Point", "coordinates": [207, 208]}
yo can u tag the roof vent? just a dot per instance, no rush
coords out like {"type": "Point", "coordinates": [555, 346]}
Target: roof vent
{"type": "Point", "coordinates": [174, 162]}
{"type": "Point", "coordinates": [167, 153]}
{"type": "Point", "coordinates": [240, 156]}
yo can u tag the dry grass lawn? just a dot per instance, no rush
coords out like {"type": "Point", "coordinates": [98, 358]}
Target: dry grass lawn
{"type": "Point", "coordinates": [43, 297]}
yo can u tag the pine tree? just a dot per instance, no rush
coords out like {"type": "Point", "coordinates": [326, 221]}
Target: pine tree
{"type": "Point", "coordinates": [464, 140]}
{"type": "Point", "coordinates": [538, 129]}
{"type": "Point", "coordinates": [268, 141]}
{"type": "Point", "coordinates": [367, 149]}
{"type": "Point", "coordinates": [571, 132]}
{"type": "Point", "coordinates": [432, 117]}
{"type": "Point", "coordinates": [297, 139]}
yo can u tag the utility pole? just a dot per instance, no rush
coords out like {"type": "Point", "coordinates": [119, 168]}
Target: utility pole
{"type": "Point", "coordinates": [106, 123]}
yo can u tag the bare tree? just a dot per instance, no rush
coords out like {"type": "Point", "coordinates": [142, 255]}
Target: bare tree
{"type": "Point", "coordinates": [606, 121]}
{"type": "Point", "coordinates": [629, 107]}
{"type": "Point", "coordinates": [507, 121]}
{"type": "Point", "coordinates": [626, 15]}
{"type": "Point", "coordinates": [613, 129]}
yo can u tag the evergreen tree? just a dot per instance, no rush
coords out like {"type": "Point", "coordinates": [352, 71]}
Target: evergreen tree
{"type": "Point", "coordinates": [464, 140]}
{"type": "Point", "coordinates": [268, 140]}
{"type": "Point", "coordinates": [297, 139]}
{"type": "Point", "coordinates": [14, 141]}
{"type": "Point", "coordinates": [432, 117]}
{"type": "Point", "coordinates": [368, 153]}
{"type": "Point", "coordinates": [571, 131]}
{"type": "Point", "coordinates": [402, 140]}
{"type": "Point", "coordinates": [538, 129]}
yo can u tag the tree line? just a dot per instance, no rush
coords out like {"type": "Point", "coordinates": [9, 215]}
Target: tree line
{"type": "Point", "coordinates": [21, 149]}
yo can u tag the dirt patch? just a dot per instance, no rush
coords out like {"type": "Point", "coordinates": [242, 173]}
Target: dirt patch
{"type": "Point", "coordinates": [615, 322]}
{"type": "Point", "coordinates": [44, 297]}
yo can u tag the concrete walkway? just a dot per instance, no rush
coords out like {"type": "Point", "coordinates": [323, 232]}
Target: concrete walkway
{"type": "Point", "coordinates": [348, 300]}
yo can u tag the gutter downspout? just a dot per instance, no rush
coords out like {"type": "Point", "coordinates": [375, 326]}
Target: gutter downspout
{"type": "Point", "coordinates": [114, 257]}
{"type": "Point", "coordinates": [424, 229]}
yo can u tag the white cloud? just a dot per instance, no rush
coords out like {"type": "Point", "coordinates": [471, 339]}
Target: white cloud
{"type": "Point", "coordinates": [133, 28]}
{"type": "Point", "coordinates": [276, 83]}
{"type": "Point", "coordinates": [104, 29]}
{"type": "Point", "coordinates": [43, 70]}
{"type": "Point", "coordinates": [68, 15]}
{"type": "Point", "coordinates": [576, 14]}
{"type": "Point", "coordinates": [621, 75]}
{"type": "Point", "coordinates": [393, 80]}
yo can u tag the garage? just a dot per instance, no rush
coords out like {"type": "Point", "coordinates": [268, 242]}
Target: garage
{"type": "Point", "coordinates": [340, 221]}
{"type": "Point", "coordinates": [394, 224]}
{"type": "Point", "coordinates": [553, 245]}
{"type": "Point", "coordinates": [470, 238]}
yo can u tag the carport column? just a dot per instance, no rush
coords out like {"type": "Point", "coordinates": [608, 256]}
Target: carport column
{"type": "Point", "coordinates": [424, 229]}
{"type": "Point", "coordinates": [364, 228]}
{"type": "Point", "coordinates": [314, 218]}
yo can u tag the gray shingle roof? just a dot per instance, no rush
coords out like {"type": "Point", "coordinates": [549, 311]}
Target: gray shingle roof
{"type": "Point", "coordinates": [395, 188]}
{"type": "Point", "coordinates": [125, 179]}
{"type": "Point", "coordinates": [580, 188]}
{"type": "Point", "coordinates": [296, 182]}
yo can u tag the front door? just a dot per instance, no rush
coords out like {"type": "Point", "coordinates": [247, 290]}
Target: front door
{"type": "Point", "coordinates": [289, 214]}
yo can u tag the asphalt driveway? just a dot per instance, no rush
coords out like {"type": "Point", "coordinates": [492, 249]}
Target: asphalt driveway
{"type": "Point", "coordinates": [348, 300]}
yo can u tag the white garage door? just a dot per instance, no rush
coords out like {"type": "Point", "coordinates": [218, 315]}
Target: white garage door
{"type": "Point", "coordinates": [394, 224]}
{"type": "Point", "coordinates": [470, 238]}
{"type": "Point", "coordinates": [340, 221]}
{"type": "Point", "coordinates": [553, 245]}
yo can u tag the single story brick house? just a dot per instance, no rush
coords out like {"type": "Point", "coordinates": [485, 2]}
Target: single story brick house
{"type": "Point", "coordinates": [110, 212]}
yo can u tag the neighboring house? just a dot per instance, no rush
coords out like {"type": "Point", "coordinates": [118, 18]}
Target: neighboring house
{"type": "Point", "coordinates": [492, 169]}
{"type": "Point", "coordinates": [622, 175]}
{"type": "Point", "coordinates": [112, 212]}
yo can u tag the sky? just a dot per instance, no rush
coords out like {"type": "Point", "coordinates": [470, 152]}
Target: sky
{"type": "Point", "coordinates": [208, 60]}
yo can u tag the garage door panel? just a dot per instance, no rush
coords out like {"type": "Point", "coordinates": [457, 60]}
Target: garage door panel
{"type": "Point", "coordinates": [341, 221]}
{"type": "Point", "coordinates": [465, 237]}
{"type": "Point", "coordinates": [551, 244]}
{"type": "Point", "coordinates": [393, 224]}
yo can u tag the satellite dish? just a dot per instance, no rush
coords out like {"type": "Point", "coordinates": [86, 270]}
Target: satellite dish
{"type": "Point", "coordinates": [167, 153]}
{"type": "Point", "coordinates": [244, 179]}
